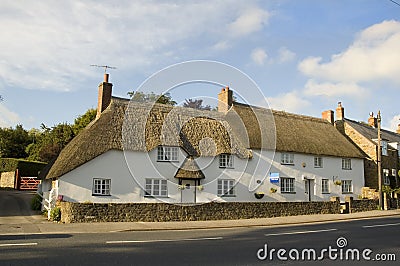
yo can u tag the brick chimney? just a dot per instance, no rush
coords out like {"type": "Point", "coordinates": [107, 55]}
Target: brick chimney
{"type": "Point", "coordinates": [339, 111]}
{"type": "Point", "coordinates": [225, 99]}
{"type": "Point", "coordinates": [104, 96]}
{"type": "Point", "coordinates": [372, 121]}
{"type": "Point", "coordinates": [329, 116]}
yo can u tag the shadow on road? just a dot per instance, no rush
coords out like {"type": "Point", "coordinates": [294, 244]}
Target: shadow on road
{"type": "Point", "coordinates": [33, 236]}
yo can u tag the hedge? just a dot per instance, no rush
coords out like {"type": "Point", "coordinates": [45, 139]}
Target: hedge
{"type": "Point", "coordinates": [25, 168]}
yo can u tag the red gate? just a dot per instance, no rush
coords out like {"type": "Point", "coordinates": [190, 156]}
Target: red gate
{"type": "Point", "coordinates": [29, 183]}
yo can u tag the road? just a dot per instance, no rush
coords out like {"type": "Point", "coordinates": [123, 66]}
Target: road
{"type": "Point", "coordinates": [205, 247]}
{"type": "Point", "coordinates": [233, 246]}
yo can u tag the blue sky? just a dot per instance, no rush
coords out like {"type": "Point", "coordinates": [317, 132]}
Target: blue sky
{"type": "Point", "coordinates": [305, 55]}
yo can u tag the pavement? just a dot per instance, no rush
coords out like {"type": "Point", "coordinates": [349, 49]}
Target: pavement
{"type": "Point", "coordinates": [39, 224]}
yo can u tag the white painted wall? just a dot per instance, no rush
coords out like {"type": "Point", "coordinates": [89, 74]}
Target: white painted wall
{"type": "Point", "coordinates": [128, 171]}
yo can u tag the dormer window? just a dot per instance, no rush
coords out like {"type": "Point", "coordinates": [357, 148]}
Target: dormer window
{"type": "Point", "coordinates": [167, 154]}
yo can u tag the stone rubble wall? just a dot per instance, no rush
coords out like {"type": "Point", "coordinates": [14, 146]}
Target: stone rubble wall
{"type": "Point", "coordinates": [163, 212]}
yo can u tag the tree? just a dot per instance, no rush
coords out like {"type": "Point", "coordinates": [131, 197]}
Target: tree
{"type": "Point", "coordinates": [141, 97]}
{"type": "Point", "coordinates": [83, 120]}
{"type": "Point", "coordinates": [196, 104]}
{"type": "Point", "coordinates": [13, 142]}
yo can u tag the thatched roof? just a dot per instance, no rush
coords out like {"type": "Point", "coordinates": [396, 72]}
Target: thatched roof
{"type": "Point", "coordinates": [294, 133]}
{"type": "Point", "coordinates": [372, 133]}
{"type": "Point", "coordinates": [189, 170]}
{"type": "Point", "coordinates": [126, 125]}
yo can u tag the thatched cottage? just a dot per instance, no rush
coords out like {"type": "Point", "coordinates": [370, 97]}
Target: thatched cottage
{"type": "Point", "coordinates": [138, 152]}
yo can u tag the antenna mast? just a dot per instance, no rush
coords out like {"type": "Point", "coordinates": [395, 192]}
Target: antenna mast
{"type": "Point", "coordinates": [106, 75]}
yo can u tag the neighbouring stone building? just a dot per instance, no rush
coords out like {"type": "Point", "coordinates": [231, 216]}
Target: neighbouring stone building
{"type": "Point", "coordinates": [365, 136]}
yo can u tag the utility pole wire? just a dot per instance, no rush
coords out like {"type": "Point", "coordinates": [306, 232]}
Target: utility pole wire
{"type": "Point", "coordinates": [394, 2]}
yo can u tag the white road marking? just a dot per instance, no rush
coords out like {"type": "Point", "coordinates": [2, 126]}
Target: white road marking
{"type": "Point", "coordinates": [379, 225]}
{"type": "Point", "coordinates": [162, 240]}
{"type": "Point", "coordinates": [301, 232]}
{"type": "Point", "coordinates": [18, 244]}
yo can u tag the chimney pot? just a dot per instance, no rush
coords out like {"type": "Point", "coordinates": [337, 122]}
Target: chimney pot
{"type": "Point", "coordinates": [398, 129]}
{"type": "Point", "coordinates": [106, 76]}
{"type": "Point", "coordinates": [372, 121]}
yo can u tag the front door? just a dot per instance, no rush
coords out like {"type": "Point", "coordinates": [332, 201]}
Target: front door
{"type": "Point", "coordinates": [188, 193]}
{"type": "Point", "coordinates": [309, 189]}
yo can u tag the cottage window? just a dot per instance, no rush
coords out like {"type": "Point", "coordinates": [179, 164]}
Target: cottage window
{"type": "Point", "coordinates": [226, 187]}
{"type": "Point", "coordinates": [394, 172]}
{"type": "Point", "coordinates": [347, 186]}
{"type": "Point", "coordinates": [287, 158]}
{"type": "Point", "coordinates": [386, 180]}
{"type": "Point", "coordinates": [384, 145]}
{"type": "Point", "coordinates": [167, 154]}
{"type": "Point", "coordinates": [101, 187]}
{"type": "Point", "coordinates": [156, 187]}
{"type": "Point", "coordinates": [325, 186]}
{"type": "Point", "coordinates": [226, 161]}
{"type": "Point", "coordinates": [287, 185]}
{"type": "Point", "coordinates": [318, 162]}
{"type": "Point", "coordinates": [346, 163]}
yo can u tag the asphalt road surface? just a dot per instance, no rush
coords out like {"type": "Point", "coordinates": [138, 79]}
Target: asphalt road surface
{"type": "Point", "coordinates": [213, 247]}
{"type": "Point", "coordinates": [358, 242]}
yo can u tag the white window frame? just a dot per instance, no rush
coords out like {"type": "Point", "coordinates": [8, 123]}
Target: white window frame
{"type": "Point", "coordinates": [347, 186]}
{"type": "Point", "coordinates": [287, 185]}
{"type": "Point", "coordinates": [384, 146]}
{"type": "Point", "coordinates": [318, 162]}
{"type": "Point", "coordinates": [167, 154]}
{"type": "Point", "coordinates": [225, 160]}
{"type": "Point", "coordinates": [394, 172]}
{"type": "Point", "coordinates": [287, 158]}
{"type": "Point", "coordinates": [386, 179]}
{"type": "Point", "coordinates": [101, 187]}
{"type": "Point", "coordinates": [346, 163]}
{"type": "Point", "coordinates": [226, 187]}
{"type": "Point", "coordinates": [325, 186]}
{"type": "Point", "coordinates": [156, 187]}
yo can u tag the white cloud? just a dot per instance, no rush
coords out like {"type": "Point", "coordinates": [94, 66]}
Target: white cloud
{"type": "Point", "coordinates": [7, 117]}
{"type": "Point", "coordinates": [251, 20]}
{"type": "Point", "coordinates": [290, 102]}
{"type": "Point", "coordinates": [373, 56]}
{"type": "Point", "coordinates": [221, 45]}
{"type": "Point", "coordinates": [395, 122]}
{"type": "Point", "coordinates": [45, 45]}
{"type": "Point", "coordinates": [259, 56]}
{"type": "Point", "coordinates": [285, 55]}
{"type": "Point", "coordinates": [313, 88]}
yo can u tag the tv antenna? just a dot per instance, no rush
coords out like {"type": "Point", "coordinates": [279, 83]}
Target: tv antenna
{"type": "Point", "coordinates": [105, 67]}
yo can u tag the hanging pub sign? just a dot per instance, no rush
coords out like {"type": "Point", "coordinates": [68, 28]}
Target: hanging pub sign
{"type": "Point", "coordinates": [274, 178]}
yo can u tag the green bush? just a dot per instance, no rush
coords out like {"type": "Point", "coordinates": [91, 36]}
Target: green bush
{"type": "Point", "coordinates": [55, 214]}
{"type": "Point", "coordinates": [36, 203]}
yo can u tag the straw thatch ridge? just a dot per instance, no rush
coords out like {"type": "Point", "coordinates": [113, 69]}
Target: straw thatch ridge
{"type": "Point", "coordinates": [126, 125]}
{"type": "Point", "coordinates": [295, 133]}
{"type": "Point", "coordinates": [189, 170]}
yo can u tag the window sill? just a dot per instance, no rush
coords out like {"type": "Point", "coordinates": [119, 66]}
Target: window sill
{"type": "Point", "coordinates": [347, 169]}
{"type": "Point", "coordinates": [222, 167]}
{"type": "Point", "coordinates": [151, 196]}
{"type": "Point", "coordinates": [347, 192]}
{"type": "Point", "coordinates": [288, 192]}
{"type": "Point", "coordinates": [325, 193]}
{"type": "Point", "coordinates": [287, 164]}
{"type": "Point", "coordinates": [101, 195]}
{"type": "Point", "coordinates": [170, 161]}
{"type": "Point", "coordinates": [227, 196]}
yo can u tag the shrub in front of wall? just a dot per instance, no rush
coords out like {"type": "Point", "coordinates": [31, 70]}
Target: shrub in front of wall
{"type": "Point", "coordinates": [55, 214]}
{"type": "Point", "coordinates": [36, 203]}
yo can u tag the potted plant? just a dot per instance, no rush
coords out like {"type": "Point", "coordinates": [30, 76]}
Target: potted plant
{"type": "Point", "coordinates": [200, 188]}
{"type": "Point", "coordinates": [259, 195]}
{"type": "Point", "coordinates": [273, 190]}
{"type": "Point", "coordinates": [181, 187]}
